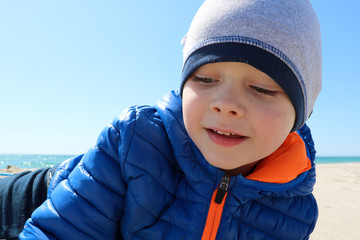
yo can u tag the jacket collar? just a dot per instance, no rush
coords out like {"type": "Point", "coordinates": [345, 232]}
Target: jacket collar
{"type": "Point", "coordinates": [285, 164]}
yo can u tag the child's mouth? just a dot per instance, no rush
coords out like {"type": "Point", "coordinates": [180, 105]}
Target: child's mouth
{"type": "Point", "coordinates": [227, 139]}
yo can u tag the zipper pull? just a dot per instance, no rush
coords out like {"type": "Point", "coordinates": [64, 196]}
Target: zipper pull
{"type": "Point", "coordinates": [222, 189]}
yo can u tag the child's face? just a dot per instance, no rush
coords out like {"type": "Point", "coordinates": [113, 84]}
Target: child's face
{"type": "Point", "coordinates": [235, 114]}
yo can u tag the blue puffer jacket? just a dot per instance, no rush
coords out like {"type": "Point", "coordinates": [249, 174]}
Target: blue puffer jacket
{"type": "Point", "coordinates": [146, 180]}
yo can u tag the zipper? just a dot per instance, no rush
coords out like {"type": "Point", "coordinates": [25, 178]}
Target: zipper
{"type": "Point", "coordinates": [216, 209]}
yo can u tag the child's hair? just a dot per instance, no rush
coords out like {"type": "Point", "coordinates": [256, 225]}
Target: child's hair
{"type": "Point", "coordinates": [279, 37]}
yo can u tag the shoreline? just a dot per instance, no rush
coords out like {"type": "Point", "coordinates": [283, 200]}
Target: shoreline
{"type": "Point", "coordinates": [337, 191]}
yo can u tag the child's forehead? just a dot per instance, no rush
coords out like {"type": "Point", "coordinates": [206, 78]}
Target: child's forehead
{"type": "Point", "coordinates": [228, 66]}
{"type": "Point", "coordinates": [241, 73]}
{"type": "Point", "coordinates": [222, 69]}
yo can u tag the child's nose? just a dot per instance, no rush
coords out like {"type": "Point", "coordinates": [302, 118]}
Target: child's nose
{"type": "Point", "coordinates": [228, 105]}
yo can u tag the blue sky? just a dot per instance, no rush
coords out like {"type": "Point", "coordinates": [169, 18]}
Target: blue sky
{"type": "Point", "coordinates": [68, 67]}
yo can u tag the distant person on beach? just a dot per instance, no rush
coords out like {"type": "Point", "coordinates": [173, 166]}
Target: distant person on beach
{"type": "Point", "coordinates": [228, 156]}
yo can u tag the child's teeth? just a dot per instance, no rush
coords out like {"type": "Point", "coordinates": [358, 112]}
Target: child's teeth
{"type": "Point", "coordinates": [227, 134]}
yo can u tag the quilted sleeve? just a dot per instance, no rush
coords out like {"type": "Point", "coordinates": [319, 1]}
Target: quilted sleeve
{"type": "Point", "coordinates": [88, 204]}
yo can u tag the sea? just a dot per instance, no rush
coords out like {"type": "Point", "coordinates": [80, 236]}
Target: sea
{"type": "Point", "coordinates": [43, 161]}
{"type": "Point", "coordinates": [31, 160]}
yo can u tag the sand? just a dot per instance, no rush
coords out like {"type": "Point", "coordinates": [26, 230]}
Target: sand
{"type": "Point", "coordinates": [338, 195]}
{"type": "Point", "coordinates": [13, 170]}
{"type": "Point", "coordinates": [337, 192]}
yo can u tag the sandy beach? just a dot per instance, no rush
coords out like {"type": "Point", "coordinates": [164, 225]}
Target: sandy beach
{"type": "Point", "coordinates": [13, 170]}
{"type": "Point", "coordinates": [337, 192]}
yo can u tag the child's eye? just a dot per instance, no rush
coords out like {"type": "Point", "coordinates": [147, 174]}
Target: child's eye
{"type": "Point", "coordinates": [204, 80]}
{"type": "Point", "coordinates": [263, 91]}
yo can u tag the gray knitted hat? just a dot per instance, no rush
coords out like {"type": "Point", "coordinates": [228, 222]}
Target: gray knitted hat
{"type": "Point", "coordinates": [279, 37]}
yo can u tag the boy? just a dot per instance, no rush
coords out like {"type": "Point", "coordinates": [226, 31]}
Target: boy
{"type": "Point", "coordinates": [229, 157]}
